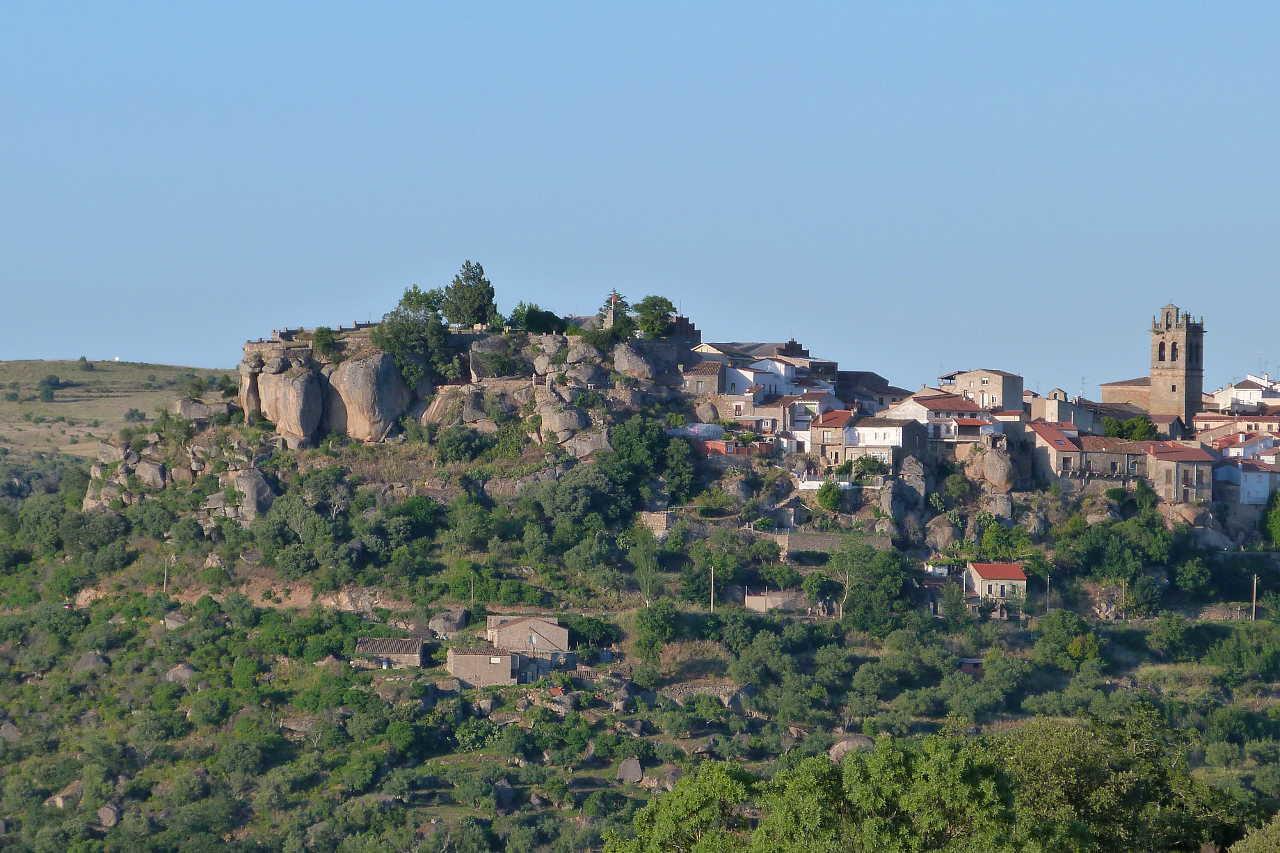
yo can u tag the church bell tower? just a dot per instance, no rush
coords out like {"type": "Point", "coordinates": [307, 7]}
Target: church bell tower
{"type": "Point", "coordinates": [1177, 364]}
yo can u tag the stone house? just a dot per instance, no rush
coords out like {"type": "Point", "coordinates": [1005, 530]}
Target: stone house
{"type": "Point", "coordinates": [789, 600]}
{"type": "Point", "coordinates": [1105, 456]}
{"type": "Point", "coordinates": [1180, 473]}
{"type": "Point", "coordinates": [1055, 449]}
{"type": "Point", "coordinates": [829, 434]}
{"type": "Point", "coordinates": [999, 584]}
{"type": "Point", "coordinates": [541, 642]}
{"type": "Point", "coordinates": [706, 378]}
{"type": "Point", "coordinates": [990, 389]}
{"type": "Point", "coordinates": [482, 666]}
{"type": "Point", "coordinates": [389, 652]}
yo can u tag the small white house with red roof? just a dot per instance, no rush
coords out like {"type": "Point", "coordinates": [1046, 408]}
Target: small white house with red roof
{"type": "Point", "coordinates": [938, 411]}
{"type": "Point", "coordinates": [999, 584]}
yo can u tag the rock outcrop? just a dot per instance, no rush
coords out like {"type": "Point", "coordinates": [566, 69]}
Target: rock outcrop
{"type": "Point", "coordinates": [293, 400]}
{"type": "Point", "coordinates": [365, 398]}
{"type": "Point", "coordinates": [628, 361]}
{"type": "Point", "coordinates": [940, 533]}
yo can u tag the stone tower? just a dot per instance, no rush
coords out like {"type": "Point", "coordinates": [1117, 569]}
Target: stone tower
{"type": "Point", "coordinates": [1177, 364]}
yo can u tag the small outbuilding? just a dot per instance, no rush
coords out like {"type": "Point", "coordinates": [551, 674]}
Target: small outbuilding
{"type": "Point", "coordinates": [390, 652]}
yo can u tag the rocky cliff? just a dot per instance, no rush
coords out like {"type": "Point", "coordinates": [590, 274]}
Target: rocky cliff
{"type": "Point", "coordinates": [356, 390]}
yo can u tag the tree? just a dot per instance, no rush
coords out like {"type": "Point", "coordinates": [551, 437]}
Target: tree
{"type": "Point", "coordinates": [656, 626]}
{"type": "Point", "coordinates": [469, 299]}
{"type": "Point", "coordinates": [1138, 428]}
{"type": "Point", "coordinates": [324, 341]}
{"type": "Point", "coordinates": [874, 595]}
{"type": "Point", "coordinates": [528, 317]}
{"type": "Point", "coordinates": [944, 794]}
{"type": "Point", "coordinates": [1272, 519]}
{"type": "Point", "coordinates": [700, 813]}
{"type": "Point", "coordinates": [1064, 641]}
{"type": "Point", "coordinates": [414, 335]}
{"type": "Point", "coordinates": [1170, 637]}
{"type": "Point", "coordinates": [642, 553]}
{"type": "Point", "coordinates": [957, 489]}
{"type": "Point", "coordinates": [829, 496]}
{"type": "Point", "coordinates": [1262, 839]}
{"type": "Point", "coordinates": [654, 316]}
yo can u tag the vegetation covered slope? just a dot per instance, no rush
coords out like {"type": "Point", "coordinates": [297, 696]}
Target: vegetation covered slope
{"type": "Point", "coordinates": [175, 678]}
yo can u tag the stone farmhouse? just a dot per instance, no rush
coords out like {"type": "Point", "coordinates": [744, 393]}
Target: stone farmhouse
{"type": "Point", "coordinates": [482, 666]}
{"type": "Point", "coordinates": [388, 653]}
{"type": "Point", "coordinates": [516, 649]}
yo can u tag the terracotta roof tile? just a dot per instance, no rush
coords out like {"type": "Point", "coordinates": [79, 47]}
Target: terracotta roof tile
{"type": "Point", "coordinates": [999, 571]}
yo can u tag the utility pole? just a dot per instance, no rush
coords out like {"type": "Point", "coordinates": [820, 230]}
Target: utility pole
{"type": "Point", "coordinates": [1253, 607]}
{"type": "Point", "coordinates": [713, 586]}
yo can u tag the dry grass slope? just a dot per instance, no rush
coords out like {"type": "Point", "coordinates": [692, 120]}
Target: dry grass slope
{"type": "Point", "coordinates": [91, 406]}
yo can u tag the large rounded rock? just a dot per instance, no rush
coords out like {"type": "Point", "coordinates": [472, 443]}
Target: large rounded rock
{"type": "Point", "coordinates": [997, 470]}
{"type": "Point", "coordinates": [150, 474]}
{"type": "Point", "coordinates": [849, 744]}
{"type": "Point", "coordinates": [913, 480]}
{"type": "Point", "coordinates": [940, 533]}
{"type": "Point", "coordinates": [366, 398]}
{"type": "Point", "coordinates": [586, 443]}
{"type": "Point", "coordinates": [562, 421]}
{"type": "Point", "coordinates": [706, 412]}
{"type": "Point", "coordinates": [255, 493]}
{"type": "Point", "coordinates": [580, 351]}
{"type": "Point", "coordinates": [628, 361]}
{"type": "Point", "coordinates": [294, 402]}
{"type": "Point", "coordinates": [586, 375]}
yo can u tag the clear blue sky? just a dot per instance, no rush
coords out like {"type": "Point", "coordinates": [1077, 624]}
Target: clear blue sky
{"type": "Point", "coordinates": [905, 187]}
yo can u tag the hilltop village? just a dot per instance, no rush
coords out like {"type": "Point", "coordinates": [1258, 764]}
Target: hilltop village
{"type": "Point", "coordinates": [466, 580]}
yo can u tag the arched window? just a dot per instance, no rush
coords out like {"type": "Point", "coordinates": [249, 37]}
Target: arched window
{"type": "Point", "coordinates": [1173, 351]}
{"type": "Point", "coordinates": [1162, 351]}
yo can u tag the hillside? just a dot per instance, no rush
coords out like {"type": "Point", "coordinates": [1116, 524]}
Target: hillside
{"type": "Point", "coordinates": [89, 403]}
{"type": "Point", "coordinates": [489, 589]}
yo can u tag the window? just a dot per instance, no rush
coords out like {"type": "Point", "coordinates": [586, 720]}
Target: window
{"type": "Point", "coordinates": [495, 660]}
{"type": "Point", "coordinates": [988, 589]}
{"type": "Point", "coordinates": [985, 380]}
{"type": "Point", "coordinates": [1002, 590]}
{"type": "Point", "coordinates": [1173, 352]}
{"type": "Point", "coordinates": [1161, 351]}
{"type": "Point", "coordinates": [1173, 387]}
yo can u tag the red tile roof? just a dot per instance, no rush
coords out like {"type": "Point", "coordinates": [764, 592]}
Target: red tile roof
{"type": "Point", "coordinates": [999, 571]}
{"type": "Point", "coordinates": [1171, 451]}
{"type": "Point", "coordinates": [704, 368]}
{"type": "Point", "coordinates": [1053, 435]}
{"type": "Point", "coordinates": [970, 422]}
{"type": "Point", "coordinates": [835, 418]}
